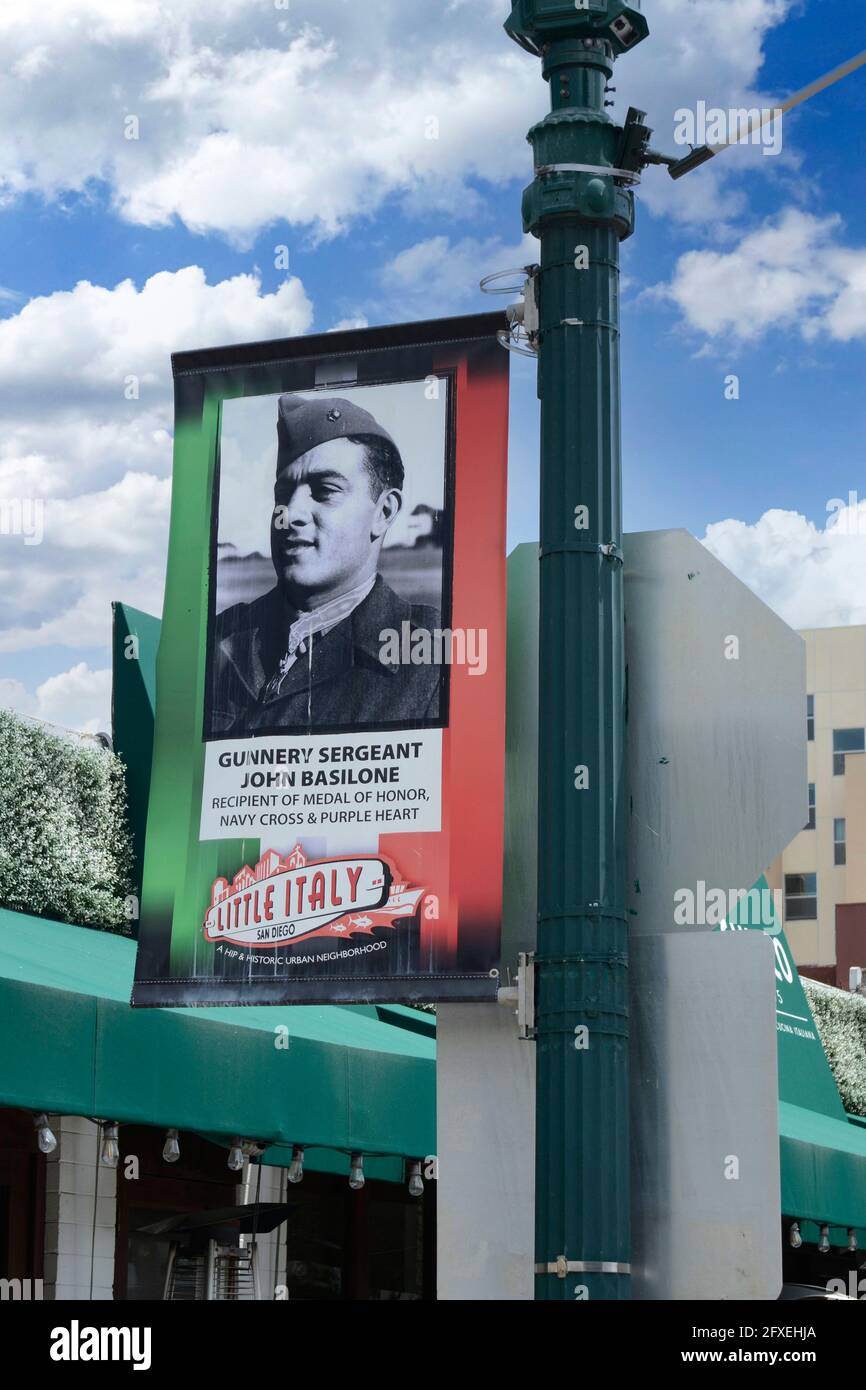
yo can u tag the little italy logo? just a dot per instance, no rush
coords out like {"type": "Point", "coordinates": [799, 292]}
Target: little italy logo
{"type": "Point", "coordinates": [280, 900]}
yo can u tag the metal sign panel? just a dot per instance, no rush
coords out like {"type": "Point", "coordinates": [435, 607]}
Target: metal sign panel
{"type": "Point", "coordinates": [716, 733]}
{"type": "Point", "coordinates": [717, 779]}
{"type": "Point", "coordinates": [706, 1194]}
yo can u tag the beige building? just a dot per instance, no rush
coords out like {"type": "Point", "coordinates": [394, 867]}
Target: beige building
{"type": "Point", "coordinates": [822, 873]}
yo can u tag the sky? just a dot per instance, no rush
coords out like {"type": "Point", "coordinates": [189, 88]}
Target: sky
{"type": "Point", "coordinates": [158, 158]}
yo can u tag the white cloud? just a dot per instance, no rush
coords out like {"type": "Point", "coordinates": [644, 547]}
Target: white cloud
{"type": "Point", "coordinates": [811, 577]}
{"type": "Point", "coordinates": [713, 52]}
{"type": "Point", "coordinates": [96, 463]}
{"type": "Point", "coordinates": [75, 699]}
{"type": "Point", "coordinates": [359, 321]}
{"type": "Point", "coordinates": [93, 339]}
{"type": "Point", "coordinates": [438, 275]}
{"type": "Point", "coordinates": [792, 271]}
{"type": "Point", "coordinates": [248, 114]}
{"type": "Point", "coordinates": [69, 362]}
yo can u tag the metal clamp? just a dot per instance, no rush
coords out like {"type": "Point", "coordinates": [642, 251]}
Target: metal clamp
{"type": "Point", "coordinates": [605, 169]}
{"type": "Point", "coordinates": [609, 549]}
{"type": "Point", "coordinates": [523, 995]}
{"type": "Point", "coordinates": [562, 1267]}
{"type": "Point", "coordinates": [583, 910]}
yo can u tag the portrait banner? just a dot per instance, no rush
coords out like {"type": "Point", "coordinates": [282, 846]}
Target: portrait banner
{"type": "Point", "coordinates": [326, 805]}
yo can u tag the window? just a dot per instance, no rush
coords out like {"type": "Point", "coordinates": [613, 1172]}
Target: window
{"type": "Point", "coordinates": [839, 841]}
{"type": "Point", "coordinates": [810, 718]}
{"type": "Point", "coordinates": [846, 741]}
{"type": "Point", "coordinates": [810, 823]}
{"type": "Point", "coordinates": [801, 897]}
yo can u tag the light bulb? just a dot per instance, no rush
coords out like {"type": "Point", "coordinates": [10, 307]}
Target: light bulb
{"type": "Point", "coordinates": [296, 1167]}
{"type": "Point", "coordinates": [795, 1240]}
{"type": "Point", "coordinates": [236, 1155]}
{"type": "Point", "coordinates": [416, 1182]}
{"type": "Point", "coordinates": [110, 1151]}
{"type": "Point", "coordinates": [852, 1240]}
{"type": "Point", "coordinates": [45, 1138]}
{"type": "Point", "coordinates": [356, 1172]}
{"type": "Point", "coordinates": [171, 1147]}
{"type": "Point", "coordinates": [824, 1242]}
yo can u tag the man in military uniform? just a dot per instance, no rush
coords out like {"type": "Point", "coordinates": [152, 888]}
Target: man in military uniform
{"type": "Point", "coordinates": [308, 653]}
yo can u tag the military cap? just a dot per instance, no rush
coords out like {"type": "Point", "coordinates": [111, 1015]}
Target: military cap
{"type": "Point", "coordinates": [303, 424]}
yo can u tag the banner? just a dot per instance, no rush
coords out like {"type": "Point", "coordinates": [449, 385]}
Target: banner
{"type": "Point", "coordinates": [326, 803]}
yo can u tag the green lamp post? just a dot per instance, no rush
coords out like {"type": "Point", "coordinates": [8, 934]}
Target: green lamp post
{"type": "Point", "coordinates": [580, 206]}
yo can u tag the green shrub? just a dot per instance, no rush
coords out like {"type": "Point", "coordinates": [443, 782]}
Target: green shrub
{"type": "Point", "coordinates": [841, 1022]}
{"type": "Point", "coordinates": [65, 850]}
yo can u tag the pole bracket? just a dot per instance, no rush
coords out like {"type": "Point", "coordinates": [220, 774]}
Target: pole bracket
{"type": "Point", "coordinates": [522, 995]}
{"type": "Point", "coordinates": [562, 1267]}
{"type": "Point", "coordinates": [608, 549]}
{"type": "Point", "coordinates": [584, 910]}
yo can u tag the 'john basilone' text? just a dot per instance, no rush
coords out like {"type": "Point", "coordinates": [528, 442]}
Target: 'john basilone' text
{"type": "Point", "coordinates": [311, 784]}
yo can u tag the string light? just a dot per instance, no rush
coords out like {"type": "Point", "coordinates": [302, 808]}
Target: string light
{"type": "Point", "coordinates": [824, 1242]}
{"type": "Point", "coordinates": [795, 1240]}
{"type": "Point", "coordinates": [46, 1137]}
{"type": "Point", "coordinates": [110, 1151]}
{"type": "Point", "coordinates": [236, 1155]}
{"type": "Point", "coordinates": [171, 1147]}
{"type": "Point", "coordinates": [356, 1172]}
{"type": "Point", "coordinates": [416, 1182]}
{"type": "Point", "coordinates": [296, 1167]}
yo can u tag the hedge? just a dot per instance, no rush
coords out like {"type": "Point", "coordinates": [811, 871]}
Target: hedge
{"type": "Point", "coordinates": [65, 848]}
{"type": "Point", "coordinates": [841, 1022]}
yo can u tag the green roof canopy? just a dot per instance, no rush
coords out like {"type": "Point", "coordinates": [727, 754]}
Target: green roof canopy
{"type": "Point", "coordinates": [823, 1153]}
{"type": "Point", "coordinates": [823, 1172]}
{"type": "Point", "coordinates": [349, 1078]}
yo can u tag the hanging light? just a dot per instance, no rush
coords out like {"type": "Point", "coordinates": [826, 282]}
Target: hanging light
{"type": "Point", "coordinates": [795, 1240]}
{"type": "Point", "coordinates": [236, 1155]}
{"type": "Point", "coordinates": [171, 1147]}
{"type": "Point", "coordinates": [416, 1182]}
{"type": "Point", "coordinates": [46, 1137]}
{"type": "Point", "coordinates": [824, 1242]}
{"type": "Point", "coordinates": [356, 1172]}
{"type": "Point", "coordinates": [109, 1154]}
{"type": "Point", "coordinates": [852, 1240]}
{"type": "Point", "coordinates": [296, 1167]}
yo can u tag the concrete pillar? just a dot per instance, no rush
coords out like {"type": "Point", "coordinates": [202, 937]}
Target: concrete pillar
{"type": "Point", "coordinates": [485, 1105]}
{"type": "Point", "coordinates": [79, 1257]}
{"type": "Point", "coordinates": [272, 1245]}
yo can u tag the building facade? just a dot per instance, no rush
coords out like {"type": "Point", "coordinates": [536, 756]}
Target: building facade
{"type": "Point", "coordinates": [822, 873]}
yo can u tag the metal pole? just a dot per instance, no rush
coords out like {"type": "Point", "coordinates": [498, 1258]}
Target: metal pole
{"type": "Point", "coordinates": [580, 215]}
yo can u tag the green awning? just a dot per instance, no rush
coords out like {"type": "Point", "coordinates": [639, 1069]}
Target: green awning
{"type": "Point", "coordinates": [350, 1078]}
{"type": "Point", "coordinates": [823, 1172]}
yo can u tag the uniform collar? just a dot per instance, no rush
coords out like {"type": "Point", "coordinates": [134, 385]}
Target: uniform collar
{"type": "Point", "coordinates": [255, 651]}
{"type": "Point", "coordinates": [319, 620]}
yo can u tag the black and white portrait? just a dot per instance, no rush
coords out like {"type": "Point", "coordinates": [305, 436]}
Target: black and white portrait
{"type": "Point", "coordinates": [331, 547]}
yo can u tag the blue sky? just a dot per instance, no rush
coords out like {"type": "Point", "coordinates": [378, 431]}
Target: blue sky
{"type": "Point", "coordinates": [265, 125]}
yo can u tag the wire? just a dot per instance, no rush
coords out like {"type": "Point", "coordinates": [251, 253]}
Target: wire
{"type": "Point", "coordinates": [819, 85]}
{"type": "Point", "coordinates": [95, 1200]}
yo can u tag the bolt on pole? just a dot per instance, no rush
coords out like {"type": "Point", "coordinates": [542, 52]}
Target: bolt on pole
{"type": "Point", "coordinates": [580, 206]}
